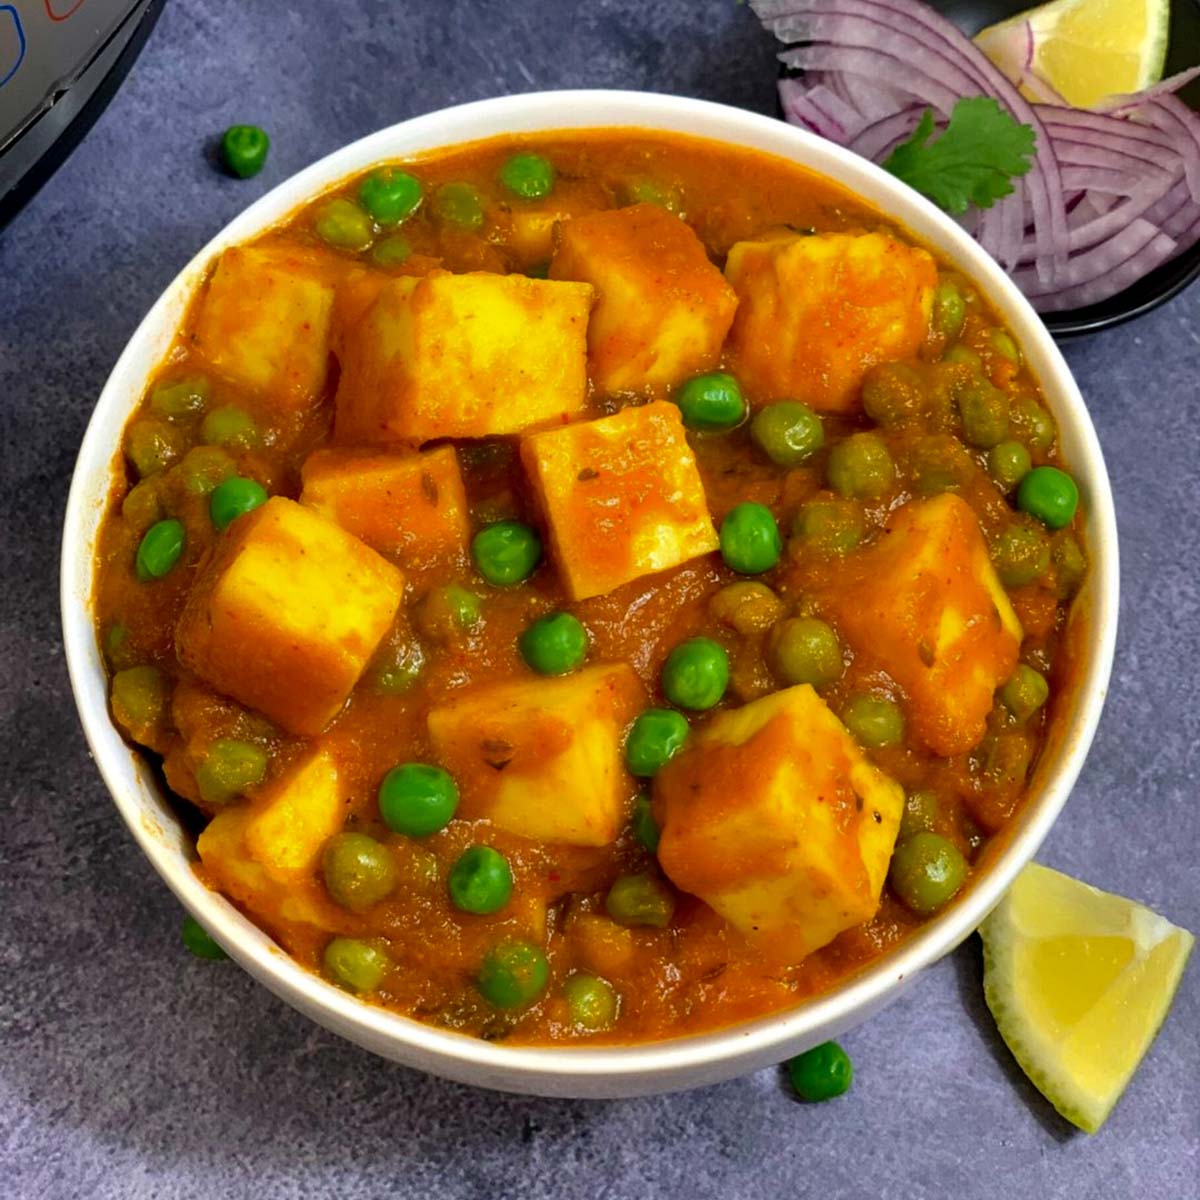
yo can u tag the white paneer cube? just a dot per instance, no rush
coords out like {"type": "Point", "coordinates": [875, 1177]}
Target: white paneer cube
{"type": "Point", "coordinates": [286, 613]}
{"type": "Point", "coordinates": [926, 604]}
{"type": "Point", "coordinates": [816, 312]}
{"type": "Point", "coordinates": [774, 817]}
{"type": "Point", "coordinates": [465, 356]}
{"type": "Point", "coordinates": [410, 507]}
{"type": "Point", "coordinates": [264, 321]}
{"type": "Point", "coordinates": [542, 757]}
{"type": "Point", "coordinates": [663, 309]}
{"type": "Point", "coordinates": [622, 497]}
{"type": "Point", "coordinates": [264, 853]}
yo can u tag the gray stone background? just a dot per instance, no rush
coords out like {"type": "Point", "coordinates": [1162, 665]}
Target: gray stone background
{"type": "Point", "coordinates": [128, 1069]}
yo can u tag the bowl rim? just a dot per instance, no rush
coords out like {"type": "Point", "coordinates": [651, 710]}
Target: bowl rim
{"type": "Point", "coordinates": [575, 1070]}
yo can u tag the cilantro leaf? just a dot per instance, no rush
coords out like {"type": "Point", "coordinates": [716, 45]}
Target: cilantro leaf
{"type": "Point", "coordinates": [972, 162]}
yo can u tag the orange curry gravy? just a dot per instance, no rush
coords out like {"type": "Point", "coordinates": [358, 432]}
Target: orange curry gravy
{"type": "Point", "coordinates": [697, 973]}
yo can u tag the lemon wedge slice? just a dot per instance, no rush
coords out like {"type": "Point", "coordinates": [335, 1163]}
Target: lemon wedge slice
{"type": "Point", "coordinates": [1084, 49]}
{"type": "Point", "coordinates": [1078, 981]}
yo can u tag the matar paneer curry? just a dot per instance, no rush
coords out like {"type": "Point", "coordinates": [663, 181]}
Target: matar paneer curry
{"type": "Point", "coordinates": [599, 586]}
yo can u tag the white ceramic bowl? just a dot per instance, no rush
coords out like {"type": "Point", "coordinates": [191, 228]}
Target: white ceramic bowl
{"type": "Point", "coordinates": [598, 1072]}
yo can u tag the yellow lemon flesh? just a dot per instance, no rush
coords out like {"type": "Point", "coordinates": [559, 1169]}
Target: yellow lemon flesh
{"type": "Point", "coordinates": [1078, 981]}
{"type": "Point", "coordinates": [1086, 50]}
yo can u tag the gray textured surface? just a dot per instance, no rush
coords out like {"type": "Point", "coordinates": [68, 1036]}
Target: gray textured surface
{"type": "Point", "coordinates": [129, 1070]}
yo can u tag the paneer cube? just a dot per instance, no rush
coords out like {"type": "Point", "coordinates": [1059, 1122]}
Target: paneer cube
{"type": "Point", "coordinates": [531, 234]}
{"type": "Point", "coordinates": [285, 614]}
{"type": "Point", "coordinates": [926, 605]}
{"type": "Point", "coordinates": [542, 757]}
{"type": "Point", "coordinates": [622, 497]}
{"type": "Point", "coordinates": [662, 310]}
{"type": "Point", "coordinates": [816, 312]}
{"type": "Point", "coordinates": [409, 507]}
{"type": "Point", "coordinates": [473, 355]}
{"type": "Point", "coordinates": [264, 321]}
{"type": "Point", "coordinates": [774, 817]}
{"type": "Point", "coordinates": [263, 853]}
{"type": "Point", "coordinates": [354, 295]}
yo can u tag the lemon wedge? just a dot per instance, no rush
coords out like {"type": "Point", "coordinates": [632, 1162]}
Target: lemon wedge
{"type": "Point", "coordinates": [1084, 49]}
{"type": "Point", "coordinates": [1078, 981]}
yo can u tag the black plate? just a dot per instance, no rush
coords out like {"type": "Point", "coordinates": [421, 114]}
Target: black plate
{"type": "Point", "coordinates": [1172, 277]}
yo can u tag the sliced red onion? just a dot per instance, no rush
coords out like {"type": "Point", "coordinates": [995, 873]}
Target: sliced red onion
{"type": "Point", "coordinates": [1116, 278]}
{"type": "Point", "coordinates": [878, 140]}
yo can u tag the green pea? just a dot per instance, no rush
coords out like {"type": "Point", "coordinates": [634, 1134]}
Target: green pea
{"type": "Point", "coordinates": [152, 446]}
{"type": "Point", "coordinates": [750, 541]}
{"type": "Point", "coordinates": [652, 191]}
{"type": "Point", "coordinates": [805, 650]}
{"type": "Point", "coordinates": [1021, 554]}
{"type": "Point", "coordinates": [696, 674]}
{"type": "Point", "coordinates": [1070, 565]}
{"type": "Point", "coordinates": [448, 611]}
{"type": "Point", "coordinates": [355, 965]}
{"type": "Point", "coordinates": [389, 195]}
{"type": "Point", "coordinates": [203, 467]}
{"type": "Point", "coordinates": [655, 737]}
{"type": "Point", "coordinates": [119, 649]}
{"type": "Point", "coordinates": [645, 827]}
{"type": "Point", "coordinates": [822, 1073]}
{"type": "Point", "coordinates": [949, 311]}
{"type": "Point", "coordinates": [711, 402]}
{"type": "Point", "coordinates": [139, 700]}
{"type": "Point", "coordinates": [458, 204]}
{"type": "Point", "coordinates": [231, 427]}
{"type": "Point", "coordinates": [181, 399]}
{"type": "Point", "coordinates": [342, 224]}
{"type": "Point", "coordinates": [926, 872]}
{"type": "Point", "coordinates": [875, 722]}
{"type": "Point", "coordinates": [234, 498]}
{"type": "Point", "coordinates": [788, 433]}
{"type": "Point", "coordinates": [1009, 463]}
{"type": "Point", "coordinates": [160, 549]}
{"type": "Point", "coordinates": [939, 464]}
{"type": "Point", "coordinates": [199, 941]}
{"type": "Point", "coordinates": [244, 149]}
{"type": "Point", "coordinates": [506, 553]}
{"type": "Point", "coordinates": [642, 899]}
{"type": "Point", "coordinates": [1031, 423]}
{"type": "Point", "coordinates": [1025, 693]}
{"type": "Point", "coordinates": [398, 669]}
{"type": "Point", "coordinates": [554, 644]}
{"type": "Point", "coordinates": [920, 813]}
{"type": "Point", "coordinates": [1003, 344]}
{"type": "Point", "coordinates": [230, 768]}
{"type": "Point", "coordinates": [893, 393]}
{"type": "Point", "coordinates": [142, 506]}
{"type": "Point", "coordinates": [834, 525]}
{"type": "Point", "coordinates": [1050, 495]}
{"type": "Point", "coordinates": [984, 412]}
{"type": "Point", "coordinates": [358, 870]}
{"type": "Point", "coordinates": [513, 974]}
{"type": "Point", "coordinates": [964, 356]}
{"type": "Point", "coordinates": [417, 799]}
{"type": "Point", "coordinates": [746, 606]}
{"type": "Point", "coordinates": [480, 881]}
{"type": "Point", "coordinates": [591, 1002]}
{"type": "Point", "coordinates": [1006, 755]}
{"type": "Point", "coordinates": [861, 467]}
{"type": "Point", "coordinates": [529, 176]}
{"type": "Point", "coordinates": [391, 251]}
